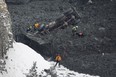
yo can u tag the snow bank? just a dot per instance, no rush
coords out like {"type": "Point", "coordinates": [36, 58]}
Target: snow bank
{"type": "Point", "coordinates": [21, 59]}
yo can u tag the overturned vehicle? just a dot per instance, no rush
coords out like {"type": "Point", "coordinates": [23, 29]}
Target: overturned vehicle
{"type": "Point", "coordinates": [42, 42]}
{"type": "Point", "coordinates": [68, 18]}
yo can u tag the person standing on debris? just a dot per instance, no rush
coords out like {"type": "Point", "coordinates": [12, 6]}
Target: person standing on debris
{"type": "Point", "coordinates": [45, 30]}
{"type": "Point", "coordinates": [65, 24]}
{"type": "Point", "coordinates": [74, 30]}
{"type": "Point", "coordinates": [80, 34]}
{"type": "Point", "coordinates": [36, 26]}
{"type": "Point", "coordinates": [29, 29]}
{"type": "Point", "coordinates": [42, 27]}
{"type": "Point", "coordinates": [58, 59]}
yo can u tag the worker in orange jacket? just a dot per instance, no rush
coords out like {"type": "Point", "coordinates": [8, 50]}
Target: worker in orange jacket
{"type": "Point", "coordinates": [58, 60]}
{"type": "Point", "coordinates": [36, 26]}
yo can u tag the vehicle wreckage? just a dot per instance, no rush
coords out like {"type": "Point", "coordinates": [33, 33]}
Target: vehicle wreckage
{"type": "Point", "coordinates": [68, 18]}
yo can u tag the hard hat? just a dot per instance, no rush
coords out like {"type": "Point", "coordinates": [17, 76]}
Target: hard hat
{"type": "Point", "coordinates": [76, 26]}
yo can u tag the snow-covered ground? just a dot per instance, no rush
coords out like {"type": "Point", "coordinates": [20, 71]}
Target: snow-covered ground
{"type": "Point", "coordinates": [21, 59]}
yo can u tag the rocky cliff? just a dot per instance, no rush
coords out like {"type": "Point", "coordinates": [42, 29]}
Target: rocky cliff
{"type": "Point", "coordinates": [84, 54]}
{"type": "Point", "coordinates": [6, 37]}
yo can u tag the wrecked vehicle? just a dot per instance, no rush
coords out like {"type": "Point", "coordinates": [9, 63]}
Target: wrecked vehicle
{"type": "Point", "coordinates": [68, 18]}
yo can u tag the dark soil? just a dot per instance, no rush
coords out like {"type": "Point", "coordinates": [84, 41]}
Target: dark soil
{"type": "Point", "coordinates": [82, 54]}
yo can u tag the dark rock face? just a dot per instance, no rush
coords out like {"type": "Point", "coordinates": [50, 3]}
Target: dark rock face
{"type": "Point", "coordinates": [6, 37]}
{"type": "Point", "coordinates": [43, 49]}
{"type": "Point", "coordinates": [80, 54]}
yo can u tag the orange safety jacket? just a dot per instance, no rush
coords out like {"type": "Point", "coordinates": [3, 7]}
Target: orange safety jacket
{"type": "Point", "coordinates": [58, 58]}
{"type": "Point", "coordinates": [37, 25]}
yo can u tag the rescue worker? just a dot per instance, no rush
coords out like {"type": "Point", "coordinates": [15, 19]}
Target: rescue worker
{"type": "Point", "coordinates": [80, 34]}
{"type": "Point", "coordinates": [58, 59]}
{"type": "Point", "coordinates": [36, 26]}
{"type": "Point", "coordinates": [45, 30]}
{"type": "Point", "coordinates": [65, 24]}
{"type": "Point", "coordinates": [41, 27]}
{"type": "Point", "coordinates": [74, 30]}
{"type": "Point", "coordinates": [29, 29]}
{"type": "Point", "coordinates": [46, 27]}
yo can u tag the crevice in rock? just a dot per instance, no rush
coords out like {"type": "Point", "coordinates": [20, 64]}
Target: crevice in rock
{"type": "Point", "coordinates": [44, 49]}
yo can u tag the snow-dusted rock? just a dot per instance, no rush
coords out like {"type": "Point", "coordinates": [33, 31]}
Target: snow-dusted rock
{"type": "Point", "coordinates": [6, 37]}
{"type": "Point", "coordinates": [21, 59]}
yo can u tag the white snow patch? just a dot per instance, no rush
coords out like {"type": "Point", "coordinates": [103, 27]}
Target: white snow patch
{"type": "Point", "coordinates": [20, 60]}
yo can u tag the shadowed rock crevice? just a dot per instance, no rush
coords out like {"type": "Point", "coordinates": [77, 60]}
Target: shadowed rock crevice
{"type": "Point", "coordinates": [43, 49]}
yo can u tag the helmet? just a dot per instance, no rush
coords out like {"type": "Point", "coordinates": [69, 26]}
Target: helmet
{"type": "Point", "coordinates": [76, 26]}
{"type": "Point", "coordinates": [37, 25]}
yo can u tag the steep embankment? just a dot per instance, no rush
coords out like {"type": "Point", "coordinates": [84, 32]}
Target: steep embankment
{"type": "Point", "coordinates": [81, 54]}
